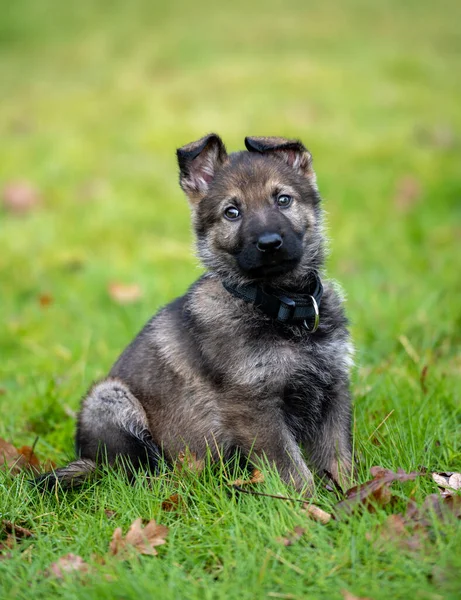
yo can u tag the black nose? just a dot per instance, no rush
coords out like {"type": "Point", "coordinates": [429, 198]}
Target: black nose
{"type": "Point", "coordinates": [268, 242]}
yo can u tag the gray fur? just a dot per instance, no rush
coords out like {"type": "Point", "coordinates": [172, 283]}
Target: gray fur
{"type": "Point", "coordinates": [72, 475]}
{"type": "Point", "coordinates": [210, 371]}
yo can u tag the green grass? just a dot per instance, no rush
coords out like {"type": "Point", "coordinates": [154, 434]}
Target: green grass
{"type": "Point", "coordinates": [95, 97]}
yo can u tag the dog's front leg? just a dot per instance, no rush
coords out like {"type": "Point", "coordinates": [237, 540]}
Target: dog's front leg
{"type": "Point", "coordinates": [330, 449]}
{"type": "Point", "coordinates": [264, 437]}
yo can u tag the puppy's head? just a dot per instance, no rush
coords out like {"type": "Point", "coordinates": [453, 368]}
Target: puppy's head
{"type": "Point", "coordinates": [256, 213]}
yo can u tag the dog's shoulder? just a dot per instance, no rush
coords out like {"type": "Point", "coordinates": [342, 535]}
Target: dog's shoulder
{"type": "Point", "coordinates": [332, 340]}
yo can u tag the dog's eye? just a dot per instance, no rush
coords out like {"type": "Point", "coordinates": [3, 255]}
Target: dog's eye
{"type": "Point", "coordinates": [231, 213]}
{"type": "Point", "coordinates": [284, 200]}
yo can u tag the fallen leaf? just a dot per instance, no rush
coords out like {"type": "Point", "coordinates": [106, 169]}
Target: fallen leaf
{"type": "Point", "coordinates": [10, 459]}
{"type": "Point", "coordinates": [348, 596]}
{"type": "Point", "coordinates": [453, 505]}
{"type": "Point", "coordinates": [292, 536]}
{"type": "Point", "coordinates": [408, 193]}
{"type": "Point", "coordinates": [124, 294]}
{"type": "Point", "coordinates": [438, 505]}
{"type": "Point", "coordinates": [16, 460]}
{"type": "Point", "coordinates": [448, 480]}
{"type": "Point", "coordinates": [138, 539]}
{"type": "Point", "coordinates": [8, 543]}
{"type": "Point", "coordinates": [398, 529]}
{"type": "Point", "coordinates": [20, 197]}
{"type": "Point", "coordinates": [14, 533]}
{"type": "Point", "coordinates": [256, 477]}
{"type": "Point", "coordinates": [67, 564]}
{"type": "Point", "coordinates": [411, 531]}
{"type": "Point", "coordinates": [375, 491]}
{"type": "Point", "coordinates": [32, 461]}
{"type": "Point", "coordinates": [316, 513]}
{"type": "Point", "coordinates": [15, 530]}
{"type": "Point", "coordinates": [45, 300]}
{"type": "Point", "coordinates": [188, 461]}
{"type": "Point", "coordinates": [171, 503]}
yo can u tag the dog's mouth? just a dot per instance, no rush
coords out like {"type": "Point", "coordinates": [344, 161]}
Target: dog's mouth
{"type": "Point", "coordinates": [272, 269]}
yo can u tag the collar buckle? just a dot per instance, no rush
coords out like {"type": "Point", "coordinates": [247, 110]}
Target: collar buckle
{"type": "Point", "coordinates": [287, 308]}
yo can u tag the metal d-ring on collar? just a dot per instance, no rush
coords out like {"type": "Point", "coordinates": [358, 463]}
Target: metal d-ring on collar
{"type": "Point", "coordinates": [316, 324]}
{"type": "Point", "coordinates": [300, 307]}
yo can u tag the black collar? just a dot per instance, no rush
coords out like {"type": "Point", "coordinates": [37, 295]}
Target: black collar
{"type": "Point", "coordinates": [301, 307]}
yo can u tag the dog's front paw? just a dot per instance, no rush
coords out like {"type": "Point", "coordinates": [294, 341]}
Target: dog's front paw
{"type": "Point", "coordinates": [303, 482]}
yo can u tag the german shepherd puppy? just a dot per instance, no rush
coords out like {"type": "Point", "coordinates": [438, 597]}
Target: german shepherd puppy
{"type": "Point", "coordinates": [255, 357]}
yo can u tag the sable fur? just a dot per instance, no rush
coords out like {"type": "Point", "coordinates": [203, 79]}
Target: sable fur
{"type": "Point", "coordinates": [210, 370]}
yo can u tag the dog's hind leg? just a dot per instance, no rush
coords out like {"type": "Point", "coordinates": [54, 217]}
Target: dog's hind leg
{"type": "Point", "coordinates": [112, 428]}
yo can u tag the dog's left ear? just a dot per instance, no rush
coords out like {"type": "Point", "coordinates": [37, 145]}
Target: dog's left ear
{"type": "Point", "coordinates": [198, 163]}
{"type": "Point", "coordinates": [292, 152]}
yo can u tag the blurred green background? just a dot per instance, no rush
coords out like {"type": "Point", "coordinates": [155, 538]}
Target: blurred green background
{"type": "Point", "coordinates": [96, 97]}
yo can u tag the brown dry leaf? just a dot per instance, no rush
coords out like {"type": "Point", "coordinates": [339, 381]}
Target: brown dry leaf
{"type": "Point", "coordinates": [349, 596]}
{"type": "Point", "coordinates": [440, 506]}
{"type": "Point", "coordinates": [20, 197]}
{"type": "Point", "coordinates": [8, 543]}
{"type": "Point", "coordinates": [15, 530]}
{"type": "Point", "coordinates": [188, 461]}
{"type": "Point", "coordinates": [10, 459]}
{"type": "Point", "coordinates": [412, 530]}
{"type": "Point", "coordinates": [32, 461]}
{"type": "Point", "coordinates": [453, 505]}
{"type": "Point", "coordinates": [5, 545]}
{"type": "Point", "coordinates": [448, 481]}
{"type": "Point", "coordinates": [45, 300]}
{"type": "Point", "coordinates": [292, 536]}
{"type": "Point", "coordinates": [316, 513]}
{"type": "Point", "coordinates": [67, 564]}
{"type": "Point", "coordinates": [14, 533]}
{"type": "Point", "coordinates": [408, 193]}
{"type": "Point", "coordinates": [16, 460]}
{"type": "Point", "coordinates": [124, 294]}
{"type": "Point", "coordinates": [375, 491]}
{"type": "Point", "coordinates": [256, 477]}
{"type": "Point", "coordinates": [138, 539]}
{"type": "Point", "coordinates": [172, 503]}
{"type": "Point", "coordinates": [399, 529]}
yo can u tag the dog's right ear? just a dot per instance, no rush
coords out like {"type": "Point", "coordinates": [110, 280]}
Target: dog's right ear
{"type": "Point", "coordinates": [198, 163]}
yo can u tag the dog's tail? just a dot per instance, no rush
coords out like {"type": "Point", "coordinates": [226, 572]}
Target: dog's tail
{"type": "Point", "coordinates": [71, 476]}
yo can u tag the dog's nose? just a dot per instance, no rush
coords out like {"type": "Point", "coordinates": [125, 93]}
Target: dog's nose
{"type": "Point", "coordinates": [269, 242]}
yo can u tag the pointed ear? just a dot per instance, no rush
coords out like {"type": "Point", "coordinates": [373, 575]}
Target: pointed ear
{"type": "Point", "coordinates": [292, 152]}
{"type": "Point", "coordinates": [198, 163]}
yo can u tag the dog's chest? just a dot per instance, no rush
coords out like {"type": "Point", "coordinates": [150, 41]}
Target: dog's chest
{"type": "Point", "coordinates": [265, 364]}
{"type": "Point", "coordinates": [261, 361]}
